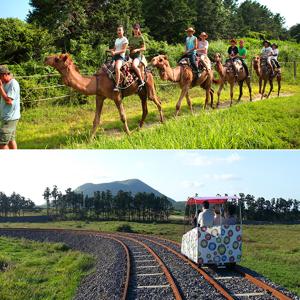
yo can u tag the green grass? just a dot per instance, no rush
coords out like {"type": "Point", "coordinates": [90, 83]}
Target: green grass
{"type": "Point", "coordinates": [267, 124]}
{"type": "Point", "coordinates": [272, 250]}
{"type": "Point", "coordinates": [40, 270]}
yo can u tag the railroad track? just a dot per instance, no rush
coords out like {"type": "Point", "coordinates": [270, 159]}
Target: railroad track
{"type": "Point", "coordinates": [155, 269]}
{"type": "Point", "coordinates": [228, 281]}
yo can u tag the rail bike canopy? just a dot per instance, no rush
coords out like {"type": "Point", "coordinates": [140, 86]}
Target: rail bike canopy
{"type": "Point", "coordinates": [210, 200]}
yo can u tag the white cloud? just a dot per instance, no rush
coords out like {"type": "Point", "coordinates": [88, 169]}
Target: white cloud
{"type": "Point", "coordinates": [191, 184]}
{"type": "Point", "coordinates": [222, 177]}
{"type": "Point", "coordinates": [198, 159]}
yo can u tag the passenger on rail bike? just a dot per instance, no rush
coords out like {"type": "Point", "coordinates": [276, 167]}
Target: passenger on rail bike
{"type": "Point", "coordinates": [206, 217]}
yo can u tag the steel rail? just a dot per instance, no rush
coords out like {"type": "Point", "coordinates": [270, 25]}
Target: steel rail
{"type": "Point", "coordinates": [167, 273]}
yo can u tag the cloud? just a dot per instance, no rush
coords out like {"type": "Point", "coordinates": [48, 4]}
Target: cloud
{"type": "Point", "coordinates": [222, 177]}
{"type": "Point", "coordinates": [197, 159]}
{"type": "Point", "coordinates": [191, 184]}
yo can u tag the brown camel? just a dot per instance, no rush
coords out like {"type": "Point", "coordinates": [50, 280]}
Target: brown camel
{"type": "Point", "coordinates": [227, 74]}
{"type": "Point", "coordinates": [184, 76]}
{"type": "Point", "coordinates": [102, 86]}
{"type": "Point", "coordinates": [264, 74]}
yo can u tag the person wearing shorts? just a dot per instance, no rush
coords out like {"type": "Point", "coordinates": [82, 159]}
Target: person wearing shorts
{"type": "Point", "coordinates": [9, 109]}
{"type": "Point", "coordinates": [118, 54]}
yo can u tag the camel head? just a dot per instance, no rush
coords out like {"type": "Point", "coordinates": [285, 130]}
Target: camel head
{"type": "Point", "coordinates": [160, 61]}
{"type": "Point", "coordinates": [60, 62]}
{"type": "Point", "coordinates": [218, 58]}
{"type": "Point", "coordinates": [256, 61]}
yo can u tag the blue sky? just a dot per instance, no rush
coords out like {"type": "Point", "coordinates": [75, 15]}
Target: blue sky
{"type": "Point", "coordinates": [178, 174]}
{"type": "Point", "coordinates": [20, 8]}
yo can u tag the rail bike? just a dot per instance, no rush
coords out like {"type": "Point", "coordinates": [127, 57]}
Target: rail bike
{"type": "Point", "coordinates": [220, 244]}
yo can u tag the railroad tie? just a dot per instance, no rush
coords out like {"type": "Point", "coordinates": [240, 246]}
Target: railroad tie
{"type": "Point", "coordinates": [144, 267]}
{"type": "Point", "coordinates": [249, 295]}
{"type": "Point", "coordinates": [153, 286]}
{"type": "Point", "coordinates": [150, 274]}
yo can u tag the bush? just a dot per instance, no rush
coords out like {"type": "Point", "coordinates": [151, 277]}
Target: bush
{"type": "Point", "coordinates": [124, 228]}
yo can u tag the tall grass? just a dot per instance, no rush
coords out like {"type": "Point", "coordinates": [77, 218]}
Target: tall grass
{"type": "Point", "coordinates": [267, 124]}
{"type": "Point", "coordinates": [40, 270]}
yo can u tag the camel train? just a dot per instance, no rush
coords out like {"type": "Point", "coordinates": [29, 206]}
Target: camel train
{"type": "Point", "coordinates": [120, 77]}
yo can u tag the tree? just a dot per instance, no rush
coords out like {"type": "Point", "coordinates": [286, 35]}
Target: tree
{"type": "Point", "coordinates": [173, 18]}
{"type": "Point", "coordinates": [295, 32]}
{"type": "Point", "coordinates": [46, 195]}
{"type": "Point", "coordinates": [21, 42]}
{"type": "Point", "coordinates": [259, 18]}
{"type": "Point", "coordinates": [54, 194]}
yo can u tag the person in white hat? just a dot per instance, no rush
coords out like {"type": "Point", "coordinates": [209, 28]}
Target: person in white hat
{"type": "Point", "coordinates": [191, 44]}
{"type": "Point", "coordinates": [202, 50]}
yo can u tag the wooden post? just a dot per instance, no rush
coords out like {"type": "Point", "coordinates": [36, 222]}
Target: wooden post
{"type": "Point", "coordinates": [295, 70]}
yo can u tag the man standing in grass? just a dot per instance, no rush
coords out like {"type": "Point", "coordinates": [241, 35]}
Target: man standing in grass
{"type": "Point", "coordinates": [9, 109]}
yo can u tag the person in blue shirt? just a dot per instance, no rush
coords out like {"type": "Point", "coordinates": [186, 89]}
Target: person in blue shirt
{"type": "Point", "coordinates": [191, 45]}
{"type": "Point", "coordinates": [9, 109]}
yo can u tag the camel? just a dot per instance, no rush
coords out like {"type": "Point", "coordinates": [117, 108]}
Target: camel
{"type": "Point", "coordinates": [228, 75]}
{"type": "Point", "coordinates": [184, 76]}
{"type": "Point", "coordinates": [263, 72]}
{"type": "Point", "coordinates": [102, 86]}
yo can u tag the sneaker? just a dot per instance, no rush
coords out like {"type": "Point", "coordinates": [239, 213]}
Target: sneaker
{"type": "Point", "coordinates": [116, 89]}
{"type": "Point", "coordinates": [142, 83]}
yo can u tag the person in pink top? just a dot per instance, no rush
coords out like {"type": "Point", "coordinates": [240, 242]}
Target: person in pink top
{"type": "Point", "coordinates": [202, 49]}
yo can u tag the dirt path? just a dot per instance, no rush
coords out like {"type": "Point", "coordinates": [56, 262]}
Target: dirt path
{"type": "Point", "coordinates": [223, 105]}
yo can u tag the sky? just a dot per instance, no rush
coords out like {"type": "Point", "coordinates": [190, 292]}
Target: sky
{"type": "Point", "coordinates": [177, 174]}
{"type": "Point", "coordinates": [20, 8]}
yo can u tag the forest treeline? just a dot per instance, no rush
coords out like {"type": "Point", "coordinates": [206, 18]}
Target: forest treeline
{"type": "Point", "coordinates": [86, 26]}
{"type": "Point", "coordinates": [105, 205]}
{"type": "Point", "coordinates": [140, 207]}
{"type": "Point", "coordinates": [14, 205]}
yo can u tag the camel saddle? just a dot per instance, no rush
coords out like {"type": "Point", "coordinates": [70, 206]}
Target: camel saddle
{"type": "Point", "coordinates": [128, 76]}
{"type": "Point", "coordinates": [235, 66]}
{"type": "Point", "coordinates": [200, 63]}
{"type": "Point", "coordinates": [266, 67]}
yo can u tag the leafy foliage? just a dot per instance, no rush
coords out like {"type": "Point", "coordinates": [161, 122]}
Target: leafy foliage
{"type": "Point", "coordinates": [21, 42]}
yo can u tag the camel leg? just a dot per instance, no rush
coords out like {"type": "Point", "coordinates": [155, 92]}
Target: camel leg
{"type": "Point", "coordinates": [189, 102]}
{"type": "Point", "coordinates": [121, 110]}
{"type": "Point", "coordinates": [184, 91]}
{"type": "Point", "coordinates": [231, 93]}
{"type": "Point", "coordinates": [279, 84]}
{"type": "Point", "coordinates": [211, 92]}
{"type": "Point", "coordinates": [219, 93]}
{"type": "Point", "coordinates": [260, 84]}
{"type": "Point", "coordinates": [153, 97]}
{"type": "Point", "coordinates": [99, 106]}
{"type": "Point", "coordinates": [248, 81]}
{"type": "Point", "coordinates": [207, 96]}
{"type": "Point", "coordinates": [271, 87]}
{"type": "Point", "coordinates": [264, 89]}
{"type": "Point", "coordinates": [241, 83]}
{"type": "Point", "coordinates": [145, 110]}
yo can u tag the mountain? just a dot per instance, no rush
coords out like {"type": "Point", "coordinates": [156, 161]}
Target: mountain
{"type": "Point", "coordinates": [131, 185]}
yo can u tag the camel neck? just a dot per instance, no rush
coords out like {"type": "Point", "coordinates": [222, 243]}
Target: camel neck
{"type": "Point", "coordinates": [75, 80]}
{"type": "Point", "coordinates": [220, 69]}
{"type": "Point", "coordinates": [170, 74]}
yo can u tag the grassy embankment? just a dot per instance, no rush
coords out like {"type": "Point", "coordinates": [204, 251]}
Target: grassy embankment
{"type": "Point", "coordinates": [272, 250]}
{"type": "Point", "coordinates": [266, 124]}
{"type": "Point", "coordinates": [33, 270]}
